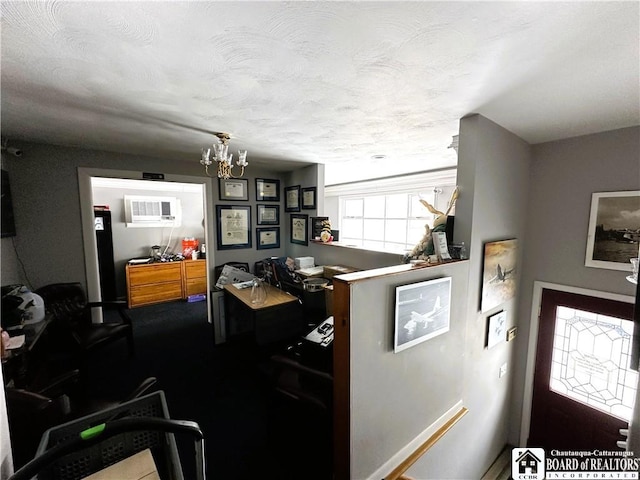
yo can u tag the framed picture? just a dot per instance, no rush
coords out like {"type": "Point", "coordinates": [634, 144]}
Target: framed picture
{"type": "Point", "coordinates": [613, 238]}
{"type": "Point", "coordinates": [268, 237]}
{"type": "Point", "coordinates": [233, 188]}
{"type": "Point", "coordinates": [268, 214]}
{"type": "Point", "coordinates": [499, 274]}
{"type": "Point", "coordinates": [422, 311]}
{"type": "Point", "coordinates": [234, 226]}
{"type": "Point", "coordinates": [292, 199]}
{"type": "Point", "coordinates": [496, 329]}
{"type": "Point", "coordinates": [316, 227]}
{"type": "Point", "coordinates": [267, 190]}
{"type": "Point", "coordinates": [299, 229]}
{"type": "Point", "coordinates": [308, 197]}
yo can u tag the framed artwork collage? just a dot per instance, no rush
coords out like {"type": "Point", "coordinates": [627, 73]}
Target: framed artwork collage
{"type": "Point", "coordinates": [234, 220]}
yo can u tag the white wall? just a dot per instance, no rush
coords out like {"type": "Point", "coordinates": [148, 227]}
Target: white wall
{"type": "Point", "coordinates": [6, 461]}
{"type": "Point", "coordinates": [564, 174]}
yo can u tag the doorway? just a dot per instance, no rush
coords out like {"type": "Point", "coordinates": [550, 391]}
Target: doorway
{"type": "Point", "coordinates": [583, 388]}
{"type": "Point", "coordinates": [165, 237]}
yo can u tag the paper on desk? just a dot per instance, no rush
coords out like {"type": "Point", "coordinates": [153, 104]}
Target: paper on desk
{"type": "Point", "coordinates": [15, 342]}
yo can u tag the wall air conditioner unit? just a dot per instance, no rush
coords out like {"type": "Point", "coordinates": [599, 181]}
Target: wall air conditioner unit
{"type": "Point", "coordinates": [145, 211]}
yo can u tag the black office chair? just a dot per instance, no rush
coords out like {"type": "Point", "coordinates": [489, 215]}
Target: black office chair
{"type": "Point", "coordinates": [72, 328]}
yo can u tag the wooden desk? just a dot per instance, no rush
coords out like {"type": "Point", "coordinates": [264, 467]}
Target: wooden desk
{"type": "Point", "coordinates": [278, 318]}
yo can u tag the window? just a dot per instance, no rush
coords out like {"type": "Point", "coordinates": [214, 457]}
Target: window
{"type": "Point", "coordinates": [387, 214]}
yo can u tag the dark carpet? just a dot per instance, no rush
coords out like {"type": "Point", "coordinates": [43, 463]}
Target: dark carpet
{"type": "Point", "coordinates": [249, 432]}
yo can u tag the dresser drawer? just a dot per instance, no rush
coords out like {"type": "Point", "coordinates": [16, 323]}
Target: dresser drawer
{"type": "Point", "coordinates": [195, 269]}
{"type": "Point", "coordinates": [196, 285]}
{"type": "Point", "coordinates": [151, 274]}
{"type": "Point", "coordinates": [155, 293]}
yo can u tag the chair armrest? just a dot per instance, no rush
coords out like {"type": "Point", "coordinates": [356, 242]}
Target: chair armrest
{"type": "Point", "coordinates": [286, 362]}
{"type": "Point", "coordinates": [61, 384]}
{"type": "Point", "coordinates": [119, 305]}
{"type": "Point", "coordinates": [108, 304]}
{"type": "Point", "coordinates": [24, 400]}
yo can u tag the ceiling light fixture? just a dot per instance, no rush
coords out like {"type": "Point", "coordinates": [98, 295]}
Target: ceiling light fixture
{"type": "Point", "coordinates": [222, 156]}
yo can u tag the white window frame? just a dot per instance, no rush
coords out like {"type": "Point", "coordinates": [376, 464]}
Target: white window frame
{"type": "Point", "coordinates": [409, 184]}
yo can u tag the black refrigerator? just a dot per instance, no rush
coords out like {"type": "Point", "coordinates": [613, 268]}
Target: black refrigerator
{"type": "Point", "coordinates": [104, 242]}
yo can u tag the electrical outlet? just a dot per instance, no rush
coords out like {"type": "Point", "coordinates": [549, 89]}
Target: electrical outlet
{"type": "Point", "coordinates": [503, 370]}
{"type": "Point", "coordinates": [511, 333]}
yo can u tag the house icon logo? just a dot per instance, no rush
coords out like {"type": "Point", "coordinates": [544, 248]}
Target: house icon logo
{"type": "Point", "coordinates": [527, 464]}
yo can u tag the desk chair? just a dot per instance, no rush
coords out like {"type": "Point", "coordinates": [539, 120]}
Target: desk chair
{"type": "Point", "coordinates": [301, 415]}
{"type": "Point", "coordinates": [72, 328]}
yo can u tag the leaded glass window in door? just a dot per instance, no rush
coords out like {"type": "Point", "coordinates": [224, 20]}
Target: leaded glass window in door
{"type": "Point", "coordinates": [590, 360]}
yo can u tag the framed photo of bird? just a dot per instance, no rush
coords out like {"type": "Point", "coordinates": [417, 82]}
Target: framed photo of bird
{"type": "Point", "coordinates": [499, 274]}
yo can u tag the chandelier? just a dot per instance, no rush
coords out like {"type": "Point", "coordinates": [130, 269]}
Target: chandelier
{"type": "Point", "coordinates": [224, 159]}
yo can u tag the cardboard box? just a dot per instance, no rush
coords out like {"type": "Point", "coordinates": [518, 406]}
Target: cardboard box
{"type": "Point", "coordinates": [331, 270]}
{"type": "Point", "coordinates": [137, 467]}
{"type": "Point", "coordinates": [304, 262]}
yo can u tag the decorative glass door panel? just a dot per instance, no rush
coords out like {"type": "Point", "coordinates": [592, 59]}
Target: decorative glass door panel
{"type": "Point", "coordinates": [590, 359]}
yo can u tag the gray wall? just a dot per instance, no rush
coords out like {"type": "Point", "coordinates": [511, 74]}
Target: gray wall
{"type": "Point", "coordinates": [493, 175]}
{"type": "Point", "coordinates": [564, 174]}
{"type": "Point", "coordinates": [396, 396]}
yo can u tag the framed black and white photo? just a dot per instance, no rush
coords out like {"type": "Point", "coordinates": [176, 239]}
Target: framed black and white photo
{"type": "Point", "coordinates": [496, 329]}
{"type": "Point", "coordinates": [267, 190]}
{"type": "Point", "coordinates": [234, 226]}
{"type": "Point", "coordinates": [613, 238]}
{"type": "Point", "coordinates": [267, 237]}
{"type": "Point", "coordinates": [422, 311]}
{"type": "Point", "coordinates": [308, 195]}
{"type": "Point", "coordinates": [292, 199]}
{"type": "Point", "coordinates": [233, 189]}
{"type": "Point", "coordinates": [299, 229]}
{"type": "Point", "coordinates": [268, 214]}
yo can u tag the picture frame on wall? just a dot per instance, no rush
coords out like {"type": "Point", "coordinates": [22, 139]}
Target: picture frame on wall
{"type": "Point", "coordinates": [298, 229]}
{"type": "Point", "coordinates": [499, 273]}
{"type": "Point", "coordinates": [292, 199]}
{"type": "Point", "coordinates": [268, 214]}
{"type": "Point", "coordinates": [613, 238]}
{"type": "Point", "coordinates": [267, 237]}
{"type": "Point", "coordinates": [234, 226]}
{"type": "Point", "coordinates": [267, 190]}
{"type": "Point", "coordinates": [496, 329]}
{"type": "Point", "coordinates": [308, 196]}
{"type": "Point", "coordinates": [233, 189]}
{"type": "Point", "coordinates": [422, 312]}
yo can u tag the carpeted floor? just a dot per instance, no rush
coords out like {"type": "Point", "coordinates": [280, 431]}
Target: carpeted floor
{"type": "Point", "coordinates": [248, 434]}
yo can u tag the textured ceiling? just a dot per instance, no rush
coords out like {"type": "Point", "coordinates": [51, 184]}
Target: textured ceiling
{"type": "Point", "coordinates": [329, 82]}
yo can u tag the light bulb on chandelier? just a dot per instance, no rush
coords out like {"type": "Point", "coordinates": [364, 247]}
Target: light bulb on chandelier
{"type": "Point", "coordinates": [224, 159]}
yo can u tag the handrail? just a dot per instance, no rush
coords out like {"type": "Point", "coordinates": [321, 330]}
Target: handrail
{"type": "Point", "coordinates": [398, 472]}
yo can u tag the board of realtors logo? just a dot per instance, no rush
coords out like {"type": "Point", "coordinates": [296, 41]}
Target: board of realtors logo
{"type": "Point", "coordinates": [527, 464]}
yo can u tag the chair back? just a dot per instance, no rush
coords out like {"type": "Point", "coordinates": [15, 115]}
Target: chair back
{"type": "Point", "coordinates": [66, 302]}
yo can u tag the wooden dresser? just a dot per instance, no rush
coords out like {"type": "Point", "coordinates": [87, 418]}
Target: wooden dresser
{"type": "Point", "coordinates": [152, 283]}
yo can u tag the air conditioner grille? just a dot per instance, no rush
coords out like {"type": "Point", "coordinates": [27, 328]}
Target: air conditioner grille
{"type": "Point", "coordinates": [145, 208]}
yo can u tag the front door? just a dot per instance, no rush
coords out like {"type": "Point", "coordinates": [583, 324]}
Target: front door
{"type": "Point", "coordinates": [583, 390]}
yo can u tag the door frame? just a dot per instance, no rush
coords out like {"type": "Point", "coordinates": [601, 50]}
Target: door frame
{"type": "Point", "coordinates": [88, 235]}
{"type": "Point", "coordinates": [534, 325]}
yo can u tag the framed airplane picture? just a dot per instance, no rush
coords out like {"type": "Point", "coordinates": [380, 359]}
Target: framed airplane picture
{"type": "Point", "coordinates": [499, 274]}
{"type": "Point", "coordinates": [421, 312]}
